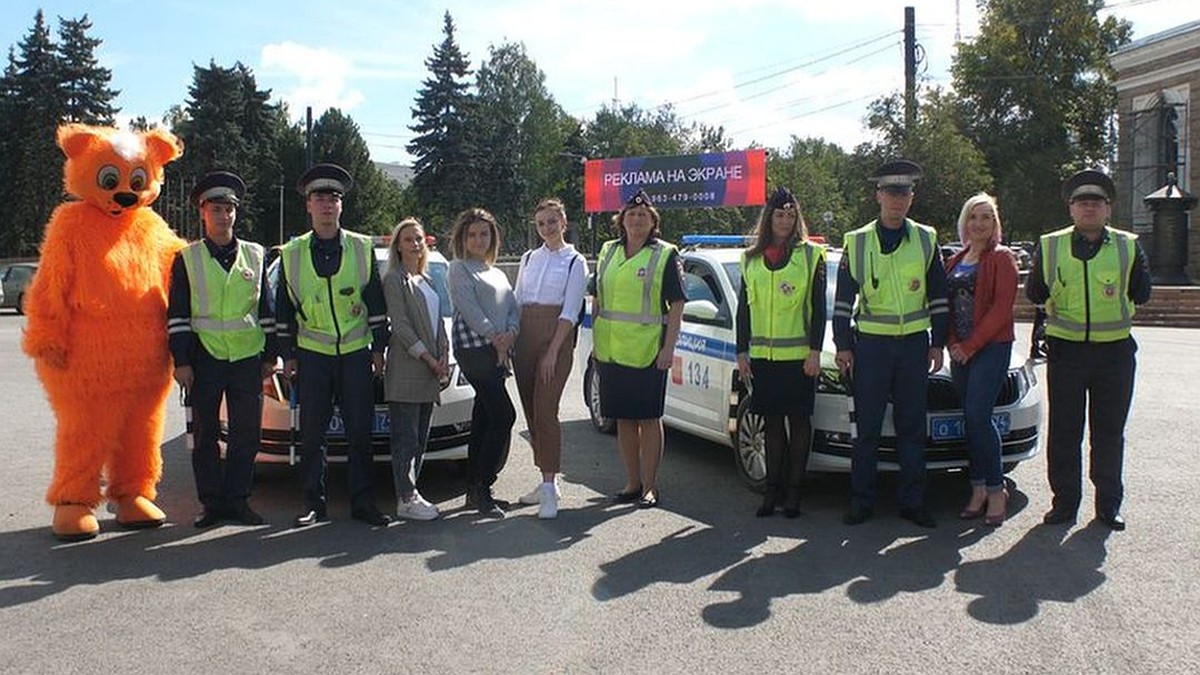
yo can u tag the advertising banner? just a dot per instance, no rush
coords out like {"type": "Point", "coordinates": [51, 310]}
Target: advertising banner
{"type": "Point", "coordinates": [684, 181]}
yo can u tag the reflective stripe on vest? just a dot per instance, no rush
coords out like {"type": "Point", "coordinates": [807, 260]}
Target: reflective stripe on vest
{"type": "Point", "coordinates": [888, 304]}
{"type": "Point", "coordinates": [634, 310]}
{"type": "Point", "coordinates": [344, 329]}
{"type": "Point", "coordinates": [778, 331]}
{"type": "Point", "coordinates": [225, 304]}
{"type": "Point", "coordinates": [1089, 301]}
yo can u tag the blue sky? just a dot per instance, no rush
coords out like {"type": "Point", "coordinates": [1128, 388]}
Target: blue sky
{"type": "Point", "coordinates": [763, 69]}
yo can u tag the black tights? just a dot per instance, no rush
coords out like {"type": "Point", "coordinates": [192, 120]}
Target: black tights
{"type": "Point", "coordinates": [787, 454]}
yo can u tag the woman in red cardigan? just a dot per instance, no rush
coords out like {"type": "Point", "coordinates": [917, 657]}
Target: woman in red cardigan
{"type": "Point", "coordinates": [982, 282]}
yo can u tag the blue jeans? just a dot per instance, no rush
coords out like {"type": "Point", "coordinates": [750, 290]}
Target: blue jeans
{"type": "Point", "coordinates": [978, 383]}
{"type": "Point", "coordinates": [410, 432]}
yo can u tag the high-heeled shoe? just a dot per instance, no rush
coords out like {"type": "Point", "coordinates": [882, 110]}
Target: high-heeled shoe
{"type": "Point", "coordinates": [770, 500]}
{"type": "Point", "coordinates": [998, 519]}
{"type": "Point", "coordinates": [969, 513]}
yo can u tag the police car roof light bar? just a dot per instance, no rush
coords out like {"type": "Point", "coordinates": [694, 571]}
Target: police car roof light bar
{"type": "Point", "coordinates": [716, 240]}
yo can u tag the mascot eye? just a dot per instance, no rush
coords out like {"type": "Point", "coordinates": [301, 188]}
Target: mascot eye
{"type": "Point", "coordinates": [137, 180]}
{"type": "Point", "coordinates": [109, 177]}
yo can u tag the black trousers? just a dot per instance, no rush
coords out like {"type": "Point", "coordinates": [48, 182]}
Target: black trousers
{"type": "Point", "coordinates": [492, 417]}
{"type": "Point", "coordinates": [1092, 379]}
{"type": "Point", "coordinates": [322, 381]}
{"type": "Point", "coordinates": [225, 484]}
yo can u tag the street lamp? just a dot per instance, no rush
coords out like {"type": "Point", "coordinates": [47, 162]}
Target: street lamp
{"type": "Point", "coordinates": [280, 187]}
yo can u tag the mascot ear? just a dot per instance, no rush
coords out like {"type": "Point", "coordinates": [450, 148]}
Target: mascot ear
{"type": "Point", "coordinates": [75, 139]}
{"type": "Point", "coordinates": [163, 145]}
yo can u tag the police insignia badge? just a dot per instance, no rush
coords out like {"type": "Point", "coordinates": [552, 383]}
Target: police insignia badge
{"type": "Point", "coordinates": [1110, 291]}
{"type": "Point", "coordinates": [641, 272]}
{"type": "Point", "coordinates": [914, 285]}
{"type": "Point", "coordinates": [247, 274]}
{"type": "Point", "coordinates": [356, 310]}
{"type": "Point", "coordinates": [786, 288]}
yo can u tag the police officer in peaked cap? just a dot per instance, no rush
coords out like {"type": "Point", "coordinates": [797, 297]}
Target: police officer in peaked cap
{"type": "Point", "coordinates": [221, 333]}
{"type": "Point", "coordinates": [1091, 278]}
{"type": "Point", "coordinates": [333, 330]}
{"type": "Point", "coordinates": [892, 267]}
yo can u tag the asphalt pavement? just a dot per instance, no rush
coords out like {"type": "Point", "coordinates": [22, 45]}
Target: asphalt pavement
{"type": "Point", "coordinates": [699, 585]}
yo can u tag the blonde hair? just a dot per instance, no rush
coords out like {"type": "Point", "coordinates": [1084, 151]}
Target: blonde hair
{"type": "Point", "coordinates": [394, 256]}
{"type": "Point", "coordinates": [551, 203]}
{"type": "Point", "coordinates": [463, 222]}
{"type": "Point", "coordinates": [971, 203]}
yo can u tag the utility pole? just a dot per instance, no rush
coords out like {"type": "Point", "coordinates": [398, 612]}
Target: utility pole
{"type": "Point", "coordinates": [910, 71]}
{"type": "Point", "coordinates": [308, 150]}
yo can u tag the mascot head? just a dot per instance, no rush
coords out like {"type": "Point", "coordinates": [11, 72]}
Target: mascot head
{"type": "Point", "coordinates": [114, 170]}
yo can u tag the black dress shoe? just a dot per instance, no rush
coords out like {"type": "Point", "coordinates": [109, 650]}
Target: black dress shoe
{"type": "Point", "coordinates": [791, 503]}
{"type": "Point", "coordinates": [310, 517]}
{"type": "Point", "coordinates": [857, 515]}
{"type": "Point", "coordinates": [767, 508]}
{"type": "Point", "coordinates": [1114, 521]}
{"type": "Point", "coordinates": [1059, 516]}
{"type": "Point", "coordinates": [371, 516]}
{"type": "Point", "coordinates": [245, 515]}
{"type": "Point", "coordinates": [208, 517]}
{"type": "Point", "coordinates": [627, 497]}
{"type": "Point", "coordinates": [648, 501]}
{"type": "Point", "coordinates": [919, 517]}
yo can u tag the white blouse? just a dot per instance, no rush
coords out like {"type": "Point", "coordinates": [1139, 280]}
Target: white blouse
{"type": "Point", "coordinates": [549, 278]}
{"type": "Point", "coordinates": [432, 304]}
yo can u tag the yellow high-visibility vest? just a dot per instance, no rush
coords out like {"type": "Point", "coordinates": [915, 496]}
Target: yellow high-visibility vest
{"type": "Point", "coordinates": [629, 321]}
{"type": "Point", "coordinates": [225, 304]}
{"type": "Point", "coordinates": [781, 303]}
{"type": "Point", "coordinates": [893, 299]}
{"type": "Point", "coordinates": [331, 317]}
{"type": "Point", "coordinates": [1089, 300]}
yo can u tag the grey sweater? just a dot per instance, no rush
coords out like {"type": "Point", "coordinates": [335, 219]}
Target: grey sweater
{"type": "Point", "coordinates": [483, 297]}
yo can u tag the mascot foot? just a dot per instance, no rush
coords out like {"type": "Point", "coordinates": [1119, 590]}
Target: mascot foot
{"type": "Point", "coordinates": [138, 513]}
{"type": "Point", "coordinates": [74, 522]}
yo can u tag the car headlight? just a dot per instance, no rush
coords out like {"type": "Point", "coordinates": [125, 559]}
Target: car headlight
{"type": "Point", "coordinates": [1024, 379]}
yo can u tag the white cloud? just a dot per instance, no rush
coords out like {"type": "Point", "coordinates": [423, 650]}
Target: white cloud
{"type": "Point", "coordinates": [318, 77]}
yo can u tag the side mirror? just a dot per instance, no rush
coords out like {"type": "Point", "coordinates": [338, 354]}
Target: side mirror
{"type": "Point", "coordinates": [701, 310]}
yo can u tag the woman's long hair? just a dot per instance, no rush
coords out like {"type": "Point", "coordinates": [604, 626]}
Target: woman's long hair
{"type": "Point", "coordinates": [764, 236]}
{"type": "Point", "coordinates": [972, 202]}
{"type": "Point", "coordinates": [395, 261]}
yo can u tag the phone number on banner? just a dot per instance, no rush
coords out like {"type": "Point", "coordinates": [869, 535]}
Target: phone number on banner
{"type": "Point", "coordinates": [687, 197]}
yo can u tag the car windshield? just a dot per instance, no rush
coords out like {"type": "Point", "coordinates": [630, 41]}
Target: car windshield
{"type": "Point", "coordinates": [734, 271]}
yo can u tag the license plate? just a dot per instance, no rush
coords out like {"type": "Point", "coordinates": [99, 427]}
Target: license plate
{"type": "Point", "coordinates": [953, 427]}
{"type": "Point", "coordinates": [380, 424]}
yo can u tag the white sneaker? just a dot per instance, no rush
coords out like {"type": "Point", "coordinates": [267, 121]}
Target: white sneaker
{"type": "Point", "coordinates": [534, 496]}
{"type": "Point", "coordinates": [417, 508]}
{"type": "Point", "coordinates": [548, 507]}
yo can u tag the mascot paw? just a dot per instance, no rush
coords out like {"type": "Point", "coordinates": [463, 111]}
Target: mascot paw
{"type": "Point", "coordinates": [138, 513]}
{"type": "Point", "coordinates": [74, 522]}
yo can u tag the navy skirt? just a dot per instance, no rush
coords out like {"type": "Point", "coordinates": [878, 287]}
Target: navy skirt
{"type": "Point", "coordinates": [781, 388]}
{"type": "Point", "coordinates": [631, 393]}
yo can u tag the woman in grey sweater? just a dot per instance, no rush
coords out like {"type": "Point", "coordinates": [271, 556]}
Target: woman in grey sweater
{"type": "Point", "coordinates": [484, 330]}
{"type": "Point", "coordinates": [417, 362]}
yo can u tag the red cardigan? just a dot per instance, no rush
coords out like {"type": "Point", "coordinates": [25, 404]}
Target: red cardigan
{"type": "Point", "coordinates": [995, 294]}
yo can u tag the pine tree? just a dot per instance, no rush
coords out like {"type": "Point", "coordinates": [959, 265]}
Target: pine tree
{"type": "Point", "coordinates": [85, 83]}
{"type": "Point", "coordinates": [37, 102]}
{"type": "Point", "coordinates": [445, 179]}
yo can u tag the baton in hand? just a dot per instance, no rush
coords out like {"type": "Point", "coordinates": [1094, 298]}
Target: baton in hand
{"type": "Point", "coordinates": [185, 400]}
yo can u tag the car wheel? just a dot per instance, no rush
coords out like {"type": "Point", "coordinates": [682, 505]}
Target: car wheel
{"type": "Point", "coordinates": [749, 445]}
{"type": "Point", "coordinates": [591, 396]}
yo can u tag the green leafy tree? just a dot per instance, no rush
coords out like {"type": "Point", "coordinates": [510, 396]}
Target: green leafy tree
{"type": "Point", "coordinates": [1037, 98]}
{"type": "Point", "coordinates": [523, 131]}
{"type": "Point", "coordinates": [445, 178]}
{"type": "Point", "coordinates": [36, 105]}
{"type": "Point", "coordinates": [813, 169]}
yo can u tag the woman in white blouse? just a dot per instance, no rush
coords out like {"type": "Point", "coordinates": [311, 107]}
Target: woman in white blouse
{"type": "Point", "coordinates": [550, 289]}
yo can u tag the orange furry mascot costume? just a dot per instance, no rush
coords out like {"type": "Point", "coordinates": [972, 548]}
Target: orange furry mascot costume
{"type": "Point", "coordinates": [97, 326]}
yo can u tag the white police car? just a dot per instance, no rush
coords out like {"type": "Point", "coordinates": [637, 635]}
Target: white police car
{"type": "Point", "coordinates": [450, 426]}
{"type": "Point", "coordinates": [706, 397]}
